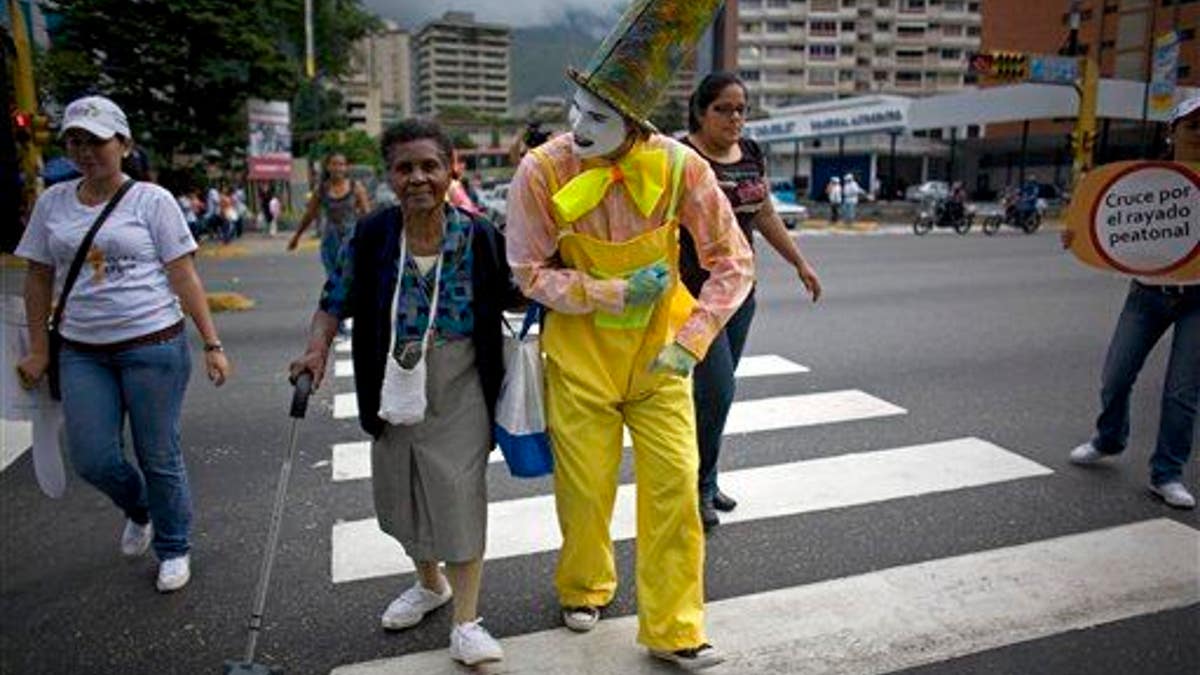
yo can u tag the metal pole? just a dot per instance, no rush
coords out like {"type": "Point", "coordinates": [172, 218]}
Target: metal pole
{"type": "Point", "coordinates": [310, 60]}
{"type": "Point", "coordinates": [841, 154]}
{"type": "Point", "coordinates": [795, 164]}
{"type": "Point", "coordinates": [892, 168]}
{"type": "Point", "coordinates": [953, 148]}
{"type": "Point", "coordinates": [1024, 149]}
{"type": "Point", "coordinates": [1149, 73]}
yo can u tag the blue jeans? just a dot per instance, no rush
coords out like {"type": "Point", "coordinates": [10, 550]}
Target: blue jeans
{"type": "Point", "coordinates": [1147, 315]}
{"type": "Point", "coordinates": [712, 391]}
{"type": "Point", "coordinates": [147, 384]}
{"type": "Point", "coordinates": [848, 211]}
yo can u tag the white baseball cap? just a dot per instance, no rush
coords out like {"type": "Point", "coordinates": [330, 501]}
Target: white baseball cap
{"type": "Point", "coordinates": [96, 115]}
{"type": "Point", "coordinates": [1184, 108]}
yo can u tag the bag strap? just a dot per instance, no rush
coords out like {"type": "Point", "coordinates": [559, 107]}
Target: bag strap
{"type": "Point", "coordinates": [81, 252]}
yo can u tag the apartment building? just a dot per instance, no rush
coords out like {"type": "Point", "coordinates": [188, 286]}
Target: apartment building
{"type": "Point", "coordinates": [797, 51]}
{"type": "Point", "coordinates": [378, 93]}
{"type": "Point", "coordinates": [463, 63]}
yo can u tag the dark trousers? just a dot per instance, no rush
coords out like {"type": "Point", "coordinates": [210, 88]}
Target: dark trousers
{"type": "Point", "coordinates": [712, 390]}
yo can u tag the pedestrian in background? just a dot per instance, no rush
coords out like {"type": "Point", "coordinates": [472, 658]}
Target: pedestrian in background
{"type": "Point", "coordinates": [833, 192]}
{"type": "Point", "coordinates": [337, 201]}
{"type": "Point", "coordinates": [851, 192]}
{"type": "Point", "coordinates": [716, 116]}
{"type": "Point", "coordinates": [1151, 307]}
{"type": "Point", "coordinates": [125, 352]}
{"type": "Point", "coordinates": [428, 477]}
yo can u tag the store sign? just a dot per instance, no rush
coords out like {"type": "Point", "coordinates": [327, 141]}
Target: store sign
{"type": "Point", "coordinates": [269, 152]}
{"type": "Point", "coordinates": [1140, 219]}
{"type": "Point", "coordinates": [1054, 69]}
{"type": "Point", "coordinates": [867, 119]}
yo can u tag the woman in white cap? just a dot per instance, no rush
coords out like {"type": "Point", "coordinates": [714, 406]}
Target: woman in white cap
{"type": "Point", "coordinates": [123, 348]}
{"type": "Point", "coordinates": [1151, 308]}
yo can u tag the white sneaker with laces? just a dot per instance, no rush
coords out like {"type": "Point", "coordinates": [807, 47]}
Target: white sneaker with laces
{"type": "Point", "coordinates": [1086, 454]}
{"type": "Point", "coordinates": [470, 643]}
{"type": "Point", "coordinates": [581, 619]}
{"type": "Point", "coordinates": [174, 573]}
{"type": "Point", "coordinates": [697, 658]}
{"type": "Point", "coordinates": [413, 604]}
{"type": "Point", "coordinates": [135, 539]}
{"type": "Point", "coordinates": [1174, 494]}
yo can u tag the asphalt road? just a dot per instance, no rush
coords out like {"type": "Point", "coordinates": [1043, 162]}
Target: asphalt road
{"type": "Point", "coordinates": [999, 338]}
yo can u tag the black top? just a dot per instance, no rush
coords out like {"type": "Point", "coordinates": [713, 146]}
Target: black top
{"type": "Point", "coordinates": [376, 258]}
{"type": "Point", "coordinates": [744, 183]}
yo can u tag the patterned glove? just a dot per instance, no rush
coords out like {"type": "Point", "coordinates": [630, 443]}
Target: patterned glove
{"type": "Point", "coordinates": [674, 359]}
{"type": "Point", "coordinates": [647, 284]}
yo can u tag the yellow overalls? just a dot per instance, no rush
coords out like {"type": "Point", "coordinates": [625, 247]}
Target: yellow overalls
{"type": "Point", "coordinates": [598, 380]}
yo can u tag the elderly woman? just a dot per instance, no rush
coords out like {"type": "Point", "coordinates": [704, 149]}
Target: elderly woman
{"type": "Point", "coordinates": [403, 264]}
{"type": "Point", "coordinates": [124, 353]}
{"type": "Point", "coordinates": [717, 113]}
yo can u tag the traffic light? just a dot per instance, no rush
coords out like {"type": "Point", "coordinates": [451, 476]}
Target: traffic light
{"type": "Point", "coordinates": [22, 126]}
{"type": "Point", "coordinates": [1012, 66]}
{"type": "Point", "coordinates": [42, 135]}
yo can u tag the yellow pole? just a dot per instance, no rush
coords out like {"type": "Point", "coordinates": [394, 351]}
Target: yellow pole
{"type": "Point", "coordinates": [25, 98]}
{"type": "Point", "coordinates": [1084, 138]}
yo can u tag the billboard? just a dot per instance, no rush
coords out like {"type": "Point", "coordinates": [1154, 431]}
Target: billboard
{"type": "Point", "coordinates": [269, 153]}
{"type": "Point", "coordinates": [1162, 81]}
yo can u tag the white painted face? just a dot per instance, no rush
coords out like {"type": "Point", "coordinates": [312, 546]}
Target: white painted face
{"type": "Point", "coordinates": [597, 127]}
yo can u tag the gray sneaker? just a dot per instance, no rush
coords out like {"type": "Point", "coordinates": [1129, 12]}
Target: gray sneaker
{"type": "Point", "coordinates": [135, 539]}
{"type": "Point", "coordinates": [1086, 454]}
{"type": "Point", "coordinates": [1174, 494]}
{"type": "Point", "coordinates": [696, 658]}
{"type": "Point", "coordinates": [413, 604]}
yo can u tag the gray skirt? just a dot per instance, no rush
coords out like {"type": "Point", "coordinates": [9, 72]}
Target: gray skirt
{"type": "Point", "coordinates": [429, 479]}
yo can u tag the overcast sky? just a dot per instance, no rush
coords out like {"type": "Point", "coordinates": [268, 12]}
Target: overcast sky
{"type": "Point", "coordinates": [517, 13]}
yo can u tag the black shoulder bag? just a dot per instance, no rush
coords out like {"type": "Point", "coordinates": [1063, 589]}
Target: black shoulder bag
{"type": "Point", "coordinates": [54, 336]}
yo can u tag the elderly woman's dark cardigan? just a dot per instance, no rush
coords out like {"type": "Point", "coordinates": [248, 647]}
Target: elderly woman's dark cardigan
{"type": "Point", "coordinates": [376, 254]}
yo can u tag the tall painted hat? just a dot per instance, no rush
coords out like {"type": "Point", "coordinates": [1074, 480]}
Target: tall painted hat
{"type": "Point", "coordinates": [634, 65]}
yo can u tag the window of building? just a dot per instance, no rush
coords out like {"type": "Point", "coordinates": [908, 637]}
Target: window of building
{"type": "Point", "coordinates": [907, 76]}
{"type": "Point", "coordinates": [820, 76]}
{"type": "Point", "coordinates": [951, 54]}
{"type": "Point", "coordinates": [847, 50]}
{"type": "Point", "coordinates": [881, 76]}
{"type": "Point", "coordinates": [818, 52]}
{"type": "Point", "coordinates": [910, 31]}
{"type": "Point", "coordinates": [954, 5]}
{"type": "Point", "coordinates": [912, 5]}
{"type": "Point", "coordinates": [846, 76]}
{"type": "Point", "coordinates": [935, 133]}
{"type": "Point", "coordinates": [882, 52]}
{"type": "Point", "coordinates": [824, 28]}
{"type": "Point", "coordinates": [973, 7]}
{"type": "Point", "coordinates": [884, 4]}
{"type": "Point", "coordinates": [824, 5]}
{"type": "Point", "coordinates": [751, 28]}
{"type": "Point", "coordinates": [972, 31]}
{"type": "Point", "coordinates": [776, 52]}
{"type": "Point", "coordinates": [973, 131]}
{"type": "Point", "coordinates": [751, 75]}
{"type": "Point", "coordinates": [848, 3]}
{"type": "Point", "coordinates": [847, 26]}
{"type": "Point", "coordinates": [910, 55]}
{"type": "Point", "coordinates": [883, 27]}
{"type": "Point", "coordinates": [751, 4]}
{"type": "Point", "coordinates": [952, 30]}
{"type": "Point", "coordinates": [777, 27]}
{"type": "Point", "coordinates": [777, 4]}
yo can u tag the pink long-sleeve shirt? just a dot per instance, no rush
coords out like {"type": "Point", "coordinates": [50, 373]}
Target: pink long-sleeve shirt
{"type": "Point", "coordinates": [532, 240]}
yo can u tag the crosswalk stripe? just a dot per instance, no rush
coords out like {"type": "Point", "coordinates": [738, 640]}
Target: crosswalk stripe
{"type": "Point", "coordinates": [525, 526]}
{"type": "Point", "coordinates": [352, 461]}
{"type": "Point", "coordinates": [15, 439]}
{"type": "Point", "coordinates": [897, 618]}
{"type": "Point", "coordinates": [750, 366]}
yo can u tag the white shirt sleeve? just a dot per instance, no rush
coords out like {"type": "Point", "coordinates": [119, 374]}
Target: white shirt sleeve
{"type": "Point", "coordinates": [169, 230]}
{"type": "Point", "coordinates": [35, 242]}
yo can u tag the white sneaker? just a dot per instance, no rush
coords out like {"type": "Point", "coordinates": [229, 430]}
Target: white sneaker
{"type": "Point", "coordinates": [413, 604]}
{"type": "Point", "coordinates": [470, 643]}
{"type": "Point", "coordinates": [581, 619]}
{"type": "Point", "coordinates": [174, 573]}
{"type": "Point", "coordinates": [698, 658]}
{"type": "Point", "coordinates": [1174, 494]}
{"type": "Point", "coordinates": [135, 540]}
{"type": "Point", "coordinates": [1086, 454]}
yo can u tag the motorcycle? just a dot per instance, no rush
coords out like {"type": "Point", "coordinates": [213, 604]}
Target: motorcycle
{"type": "Point", "coordinates": [1017, 211]}
{"type": "Point", "coordinates": [944, 212]}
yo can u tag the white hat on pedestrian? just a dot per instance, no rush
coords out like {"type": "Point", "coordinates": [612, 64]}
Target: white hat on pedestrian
{"type": "Point", "coordinates": [835, 179]}
{"type": "Point", "coordinates": [849, 176]}
{"type": "Point", "coordinates": [96, 115]}
{"type": "Point", "coordinates": [1185, 108]}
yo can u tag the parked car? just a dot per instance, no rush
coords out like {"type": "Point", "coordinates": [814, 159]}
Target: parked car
{"type": "Point", "coordinates": [792, 215]}
{"type": "Point", "coordinates": [930, 189]}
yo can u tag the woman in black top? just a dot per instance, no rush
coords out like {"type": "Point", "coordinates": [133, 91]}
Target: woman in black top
{"type": "Point", "coordinates": [716, 115]}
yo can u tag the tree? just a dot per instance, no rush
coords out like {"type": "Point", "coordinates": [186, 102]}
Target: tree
{"type": "Point", "coordinates": [183, 69]}
{"type": "Point", "coordinates": [669, 116]}
{"type": "Point", "coordinates": [355, 144]}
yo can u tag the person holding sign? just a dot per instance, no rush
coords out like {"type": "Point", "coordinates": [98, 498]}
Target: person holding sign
{"type": "Point", "coordinates": [1142, 211]}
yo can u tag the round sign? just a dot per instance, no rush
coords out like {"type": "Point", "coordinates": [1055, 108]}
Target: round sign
{"type": "Point", "coordinates": [1146, 219]}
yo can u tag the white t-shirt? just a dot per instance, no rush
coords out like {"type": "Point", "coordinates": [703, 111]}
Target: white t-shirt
{"type": "Point", "coordinates": [122, 290]}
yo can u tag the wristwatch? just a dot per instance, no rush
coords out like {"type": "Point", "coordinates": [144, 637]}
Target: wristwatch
{"type": "Point", "coordinates": [213, 347]}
